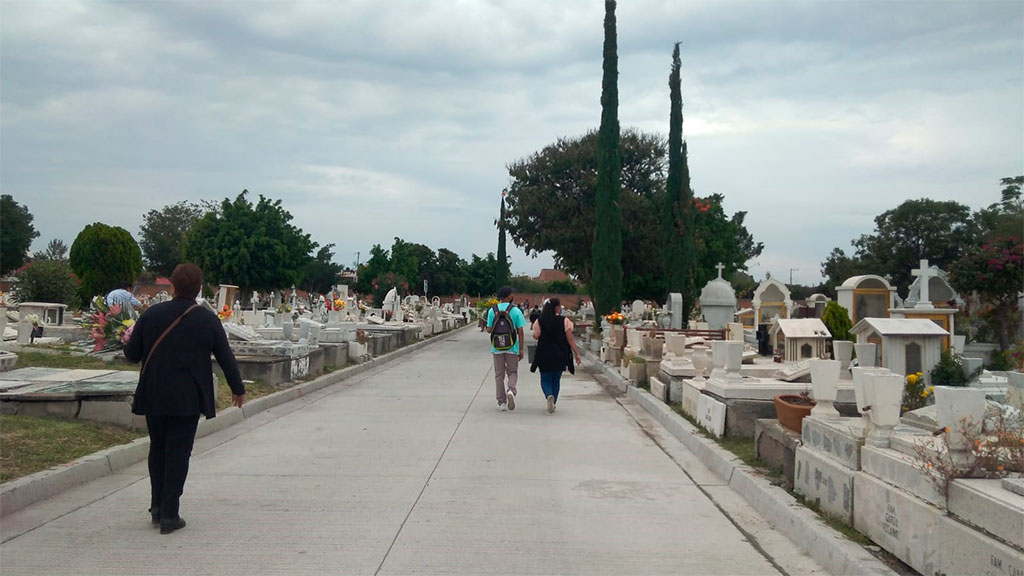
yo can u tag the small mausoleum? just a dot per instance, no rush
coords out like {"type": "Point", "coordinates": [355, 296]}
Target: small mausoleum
{"type": "Point", "coordinates": [799, 339]}
{"type": "Point", "coordinates": [866, 296]}
{"type": "Point", "coordinates": [931, 298]}
{"type": "Point", "coordinates": [905, 345]}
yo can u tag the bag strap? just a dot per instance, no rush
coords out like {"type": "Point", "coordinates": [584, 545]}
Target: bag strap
{"type": "Point", "coordinates": [162, 336]}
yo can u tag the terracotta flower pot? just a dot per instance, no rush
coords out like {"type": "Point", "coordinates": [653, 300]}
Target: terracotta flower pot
{"type": "Point", "coordinates": [791, 409]}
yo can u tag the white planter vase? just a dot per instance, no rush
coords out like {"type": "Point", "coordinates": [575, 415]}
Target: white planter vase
{"type": "Point", "coordinates": [887, 397]}
{"type": "Point", "coordinates": [700, 362]}
{"type": "Point", "coordinates": [843, 351]}
{"type": "Point", "coordinates": [733, 359]}
{"type": "Point", "coordinates": [861, 391]}
{"type": "Point", "coordinates": [675, 343]}
{"type": "Point", "coordinates": [866, 355]}
{"type": "Point", "coordinates": [825, 385]}
{"type": "Point", "coordinates": [719, 358]}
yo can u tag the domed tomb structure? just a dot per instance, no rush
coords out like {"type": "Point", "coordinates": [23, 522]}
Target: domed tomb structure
{"type": "Point", "coordinates": [718, 302]}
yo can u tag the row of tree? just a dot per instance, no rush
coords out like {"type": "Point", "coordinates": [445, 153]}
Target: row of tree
{"type": "Point", "coordinates": [253, 245]}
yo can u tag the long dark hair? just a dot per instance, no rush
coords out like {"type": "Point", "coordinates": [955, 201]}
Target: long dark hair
{"type": "Point", "coordinates": [548, 313]}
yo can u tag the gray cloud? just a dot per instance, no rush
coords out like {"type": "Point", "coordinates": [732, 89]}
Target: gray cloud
{"type": "Point", "coordinates": [373, 120]}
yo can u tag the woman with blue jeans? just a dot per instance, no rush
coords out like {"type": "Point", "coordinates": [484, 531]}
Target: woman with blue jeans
{"type": "Point", "coordinates": [556, 349]}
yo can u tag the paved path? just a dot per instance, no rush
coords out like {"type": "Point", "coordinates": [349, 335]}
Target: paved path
{"type": "Point", "coordinates": [410, 469]}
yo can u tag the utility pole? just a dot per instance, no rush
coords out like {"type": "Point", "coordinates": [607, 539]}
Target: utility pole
{"type": "Point", "coordinates": [791, 270]}
{"type": "Point", "coordinates": [357, 261]}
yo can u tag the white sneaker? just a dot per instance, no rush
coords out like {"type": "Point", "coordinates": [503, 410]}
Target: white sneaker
{"type": "Point", "coordinates": [501, 407]}
{"type": "Point", "coordinates": [511, 396]}
{"type": "Point", "coordinates": [551, 404]}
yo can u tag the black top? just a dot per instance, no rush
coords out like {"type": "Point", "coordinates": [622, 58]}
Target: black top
{"type": "Point", "coordinates": [553, 353]}
{"type": "Point", "coordinates": [178, 380]}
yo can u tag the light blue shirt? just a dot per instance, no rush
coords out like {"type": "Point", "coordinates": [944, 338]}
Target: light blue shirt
{"type": "Point", "coordinates": [518, 321]}
{"type": "Point", "coordinates": [121, 296]}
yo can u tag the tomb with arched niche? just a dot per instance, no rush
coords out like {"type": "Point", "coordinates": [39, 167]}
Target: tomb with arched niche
{"type": "Point", "coordinates": [771, 300]}
{"type": "Point", "coordinates": [867, 296]}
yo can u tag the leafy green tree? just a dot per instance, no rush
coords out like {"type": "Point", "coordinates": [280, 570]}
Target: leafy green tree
{"type": "Point", "coordinates": [16, 233]}
{"type": "Point", "coordinates": [1006, 217]}
{"type": "Point", "coordinates": [383, 284]}
{"type": "Point", "coordinates": [378, 264]}
{"type": "Point", "coordinates": [550, 203]}
{"type": "Point", "coordinates": [561, 287]}
{"type": "Point", "coordinates": [321, 273]}
{"type": "Point", "coordinates": [48, 281]}
{"type": "Point", "coordinates": [995, 270]}
{"type": "Point", "coordinates": [677, 216]}
{"type": "Point", "coordinates": [450, 275]}
{"type": "Point", "coordinates": [502, 271]}
{"type": "Point", "coordinates": [480, 274]}
{"type": "Point", "coordinates": [720, 238]}
{"type": "Point", "coordinates": [837, 319]}
{"type": "Point", "coordinates": [404, 262]}
{"type": "Point", "coordinates": [606, 284]}
{"type": "Point", "coordinates": [426, 268]}
{"type": "Point", "coordinates": [103, 257]}
{"type": "Point", "coordinates": [162, 234]}
{"type": "Point", "coordinates": [56, 250]}
{"type": "Point", "coordinates": [914, 230]}
{"type": "Point", "coordinates": [252, 246]}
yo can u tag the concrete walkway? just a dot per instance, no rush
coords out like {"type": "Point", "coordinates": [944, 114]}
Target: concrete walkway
{"type": "Point", "coordinates": [410, 469]}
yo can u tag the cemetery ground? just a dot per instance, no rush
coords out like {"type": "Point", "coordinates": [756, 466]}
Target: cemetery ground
{"type": "Point", "coordinates": [29, 444]}
{"type": "Point", "coordinates": [408, 468]}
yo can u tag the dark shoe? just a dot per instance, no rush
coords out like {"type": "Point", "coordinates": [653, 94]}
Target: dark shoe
{"type": "Point", "coordinates": [155, 513]}
{"type": "Point", "coordinates": [168, 526]}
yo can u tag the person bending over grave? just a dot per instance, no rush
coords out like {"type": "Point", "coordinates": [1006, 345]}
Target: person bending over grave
{"type": "Point", "coordinates": [556, 349]}
{"type": "Point", "coordinates": [122, 296]}
{"type": "Point", "coordinates": [505, 324]}
{"type": "Point", "coordinates": [173, 340]}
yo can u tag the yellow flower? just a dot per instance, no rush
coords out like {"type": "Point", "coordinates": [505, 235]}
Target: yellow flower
{"type": "Point", "coordinates": [912, 379]}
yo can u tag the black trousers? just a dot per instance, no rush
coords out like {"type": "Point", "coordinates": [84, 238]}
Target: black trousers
{"type": "Point", "coordinates": [170, 446]}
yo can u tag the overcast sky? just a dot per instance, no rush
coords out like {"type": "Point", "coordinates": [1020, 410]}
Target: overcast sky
{"type": "Point", "coordinates": [375, 119]}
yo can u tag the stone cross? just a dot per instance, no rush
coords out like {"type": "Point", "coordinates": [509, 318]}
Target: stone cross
{"type": "Point", "coordinates": [720, 268]}
{"type": "Point", "coordinates": [926, 274]}
{"type": "Point", "coordinates": [293, 297]}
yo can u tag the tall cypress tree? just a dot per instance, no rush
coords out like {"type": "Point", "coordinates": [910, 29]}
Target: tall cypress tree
{"type": "Point", "coordinates": [606, 283]}
{"type": "Point", "coordinates": [679, 254]}
{"type": "Point", "coordinates": [501, 270]}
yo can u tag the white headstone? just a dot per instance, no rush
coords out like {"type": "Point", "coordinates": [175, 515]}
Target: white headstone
{"type": "Point", "coordinates": [675, 305]}
{"type": "Point", "coordinates": [638, 308]}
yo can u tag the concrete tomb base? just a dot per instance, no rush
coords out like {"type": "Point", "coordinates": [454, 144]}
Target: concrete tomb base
{"type": "Point", "coordinates": [823, 480]}
{"type": "Point", "coordinates": [776, 445]}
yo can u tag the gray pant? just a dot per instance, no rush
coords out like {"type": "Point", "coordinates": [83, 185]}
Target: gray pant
{"type": "Point", "coordinates": [505, 364]}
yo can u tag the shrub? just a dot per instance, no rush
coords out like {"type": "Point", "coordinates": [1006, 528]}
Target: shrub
{"type": "Point", "coordinates": [949, 371]}
{"type": "Point", "coordinates": [837, 319]}
{"type": "Point", "coordinates": [48, 281]}
{"type": "Point", "coordinates": [561, 287]}
{"type": "Point", "coordinates": [104, 256]}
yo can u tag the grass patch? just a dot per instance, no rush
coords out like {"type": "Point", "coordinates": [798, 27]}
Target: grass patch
{"type": "Point", "coordinates": [29, 444]}
{"type": "Point", "coordinates": [253, 390]}
{"type": "Point", "coordinates": [65, 359]}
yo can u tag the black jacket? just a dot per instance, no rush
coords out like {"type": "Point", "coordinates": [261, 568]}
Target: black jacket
{"type": "Point", "coordinates": [178, 380]}
{"type": "Point", "coordinates": [553, 353]}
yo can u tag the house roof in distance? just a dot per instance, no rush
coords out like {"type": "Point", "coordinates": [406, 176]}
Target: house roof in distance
{"type": "Point", "coordinates": [551, 274]}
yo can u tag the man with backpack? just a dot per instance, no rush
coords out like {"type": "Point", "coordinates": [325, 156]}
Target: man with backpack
{"type": "Point", "coordinates": [505, 324]}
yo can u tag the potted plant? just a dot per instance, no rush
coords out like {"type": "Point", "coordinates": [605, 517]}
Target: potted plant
{"type": "Point", "coordinates": [790, 409]}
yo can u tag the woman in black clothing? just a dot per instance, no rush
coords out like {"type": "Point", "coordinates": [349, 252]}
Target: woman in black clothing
{"type": "Point", "coordinates": [174, 341]}
{"type": "Point", "coordinates": [556, 349]}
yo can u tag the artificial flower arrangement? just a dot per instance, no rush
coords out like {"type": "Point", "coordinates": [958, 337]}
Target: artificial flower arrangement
{"type": "Point", "coordinates": [224, 313]}
{"type": "Point", "coordinates": [110, 327]}
{"type": "Point", "coordinates": [483, 305]}
{"type": "Point", "coordinates": [615, 318]}
{"type": "Point", "coordinates": [339, 304]}
{"type": "Point", "coordinates": [916, 394]}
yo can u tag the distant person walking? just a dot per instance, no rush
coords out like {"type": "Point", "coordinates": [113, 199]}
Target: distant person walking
{"type": "Point", "coordinates": [121, 295]}
{"type": "Point", "coordinates": [556, 349]}
{"type": "Point", "coordinates": [505, 324]}
{"type": "Point", "coordinates": [174, 340]}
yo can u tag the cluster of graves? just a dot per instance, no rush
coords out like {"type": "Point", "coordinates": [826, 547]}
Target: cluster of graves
{"type": "Point", "coordinates": [288, 338]}
{"type": "Point", "coordinates": [915, 482]}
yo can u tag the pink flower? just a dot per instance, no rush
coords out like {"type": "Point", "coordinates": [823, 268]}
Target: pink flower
{"type": "Point", "coordinates": [115, 309]}
{"type": "Point", "coordinates": [100, 343]}
{"type": "Point", "coordinates": [127, 335]}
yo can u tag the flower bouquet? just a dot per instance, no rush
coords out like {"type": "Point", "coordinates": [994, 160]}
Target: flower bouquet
{"type": "Point", "coordinates": [616, 318]}
{"type": "Point", "coordinates": [339, 304]}
{"type": "Point", "coordinates": [110, 327]}
{"type": "Point", "coordinates": [225, 313]}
